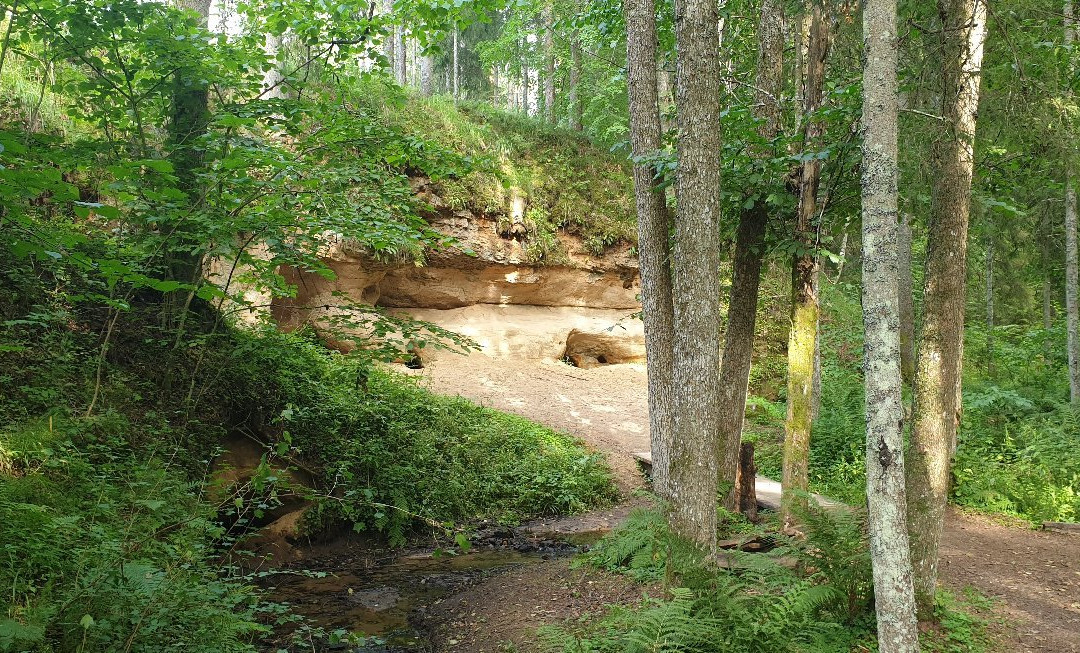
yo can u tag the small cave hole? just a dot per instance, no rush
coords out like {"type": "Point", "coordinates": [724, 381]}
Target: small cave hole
{"type": "Point", "coordinates": [414, 363]}
{"type": "Point", "coordinates": [601, 359]}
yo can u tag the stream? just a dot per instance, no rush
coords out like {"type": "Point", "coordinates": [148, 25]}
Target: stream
{"type": "Point", "coordinates": [385, 595]}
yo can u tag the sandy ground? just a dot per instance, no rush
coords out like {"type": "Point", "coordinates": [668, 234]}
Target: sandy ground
{"type": "Point", "coordinates": [1034, 576]}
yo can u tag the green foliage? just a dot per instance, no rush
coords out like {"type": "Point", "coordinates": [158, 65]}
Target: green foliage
{"type": "Point", "coordinates": [752, 603]}
{"type": "Point", "coordinates": [567, 184]}
{"type": "Point", "coordinates": [400, 455]}
{"type": "Point", "coordinates": [107, 543]}
{"type": "Point", "coordinates": [962, 624]}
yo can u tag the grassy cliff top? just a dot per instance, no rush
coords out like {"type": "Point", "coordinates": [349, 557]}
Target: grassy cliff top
{"type": "Point", "coordinates": [567, 183]}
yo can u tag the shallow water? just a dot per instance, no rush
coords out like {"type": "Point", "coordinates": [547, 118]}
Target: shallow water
{"type": "Point", "coordinates": [387, 598]}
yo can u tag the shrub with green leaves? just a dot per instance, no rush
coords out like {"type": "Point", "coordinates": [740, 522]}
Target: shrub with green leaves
{"type": "Point", "coordinates": [755, 602]}
{"type": "Point", "coordinates": [399, 455]}
{"type": "Point", "coordinates": [108, 547]}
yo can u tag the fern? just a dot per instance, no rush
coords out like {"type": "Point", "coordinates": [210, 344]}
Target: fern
{"type": "Point", "coordinates": [836, 551]}
{"type": "Point", "coordinates": [755, 605]}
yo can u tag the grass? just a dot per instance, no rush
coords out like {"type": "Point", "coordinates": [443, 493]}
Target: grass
{"type": "Point", "coordinates": [568, 184]}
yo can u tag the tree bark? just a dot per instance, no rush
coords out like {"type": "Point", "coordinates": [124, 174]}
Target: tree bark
{"type": "Point", "coordinates": [654, 227]}
{"type": "Point", "coordinates": [524, 80]}
{"type": "Point", "coordinates": [272, 78]}
{"type": "Point", "coordinates": [455, 63]}
{"type": "Point", "coordinates": [1047, 292]}
{"type": "Point", "coordinates": [802, 338]}
{"type": "Point", "coordinates": [940, 352]}
{"type": "Point", "coordinates": [1072, 292]}
{"type": "Point", "coordinates": [696, 275]}
{"type": "Point", "coordinates": [746, 482]}
{"type": "Point", "coordinates": [576, 107]}
{"type": "Point", "coordinates": [549, 62]}
{"type": "Point", "coordinates": [907, 302]}
{"type": "Point", "coordinates": [400, 63]}
{"type": "Point", "coordinates": [990, 304]}
{"type": "Point", "coordinates": [427, 79]}
{"type": "Point", "coordinates": [749, 251]}
{"type": "Point", "coordinates": [1072, 304]}
{"type": "Point", "coordinates": [389, 45]}
{"type": "Point", "coordinates": [893, 592]}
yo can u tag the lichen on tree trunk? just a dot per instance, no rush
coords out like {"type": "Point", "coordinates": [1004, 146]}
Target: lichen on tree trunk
{"type": "Point", "coordinates": [889, 554]}
{"type": "Point", "coordinates": [696, 275]}
{"type": "Point", "coordinates": [802, 337]}
{"type": "Point", "coordinates": [940, 351]}
{"type": "Point", "coordinates": [749, 251]}
{"type": "Point", "coordinates": [654, 225]}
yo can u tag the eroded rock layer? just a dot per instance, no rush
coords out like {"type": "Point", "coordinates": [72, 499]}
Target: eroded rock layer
{"type": "Point", "coordinates": [486, 287]}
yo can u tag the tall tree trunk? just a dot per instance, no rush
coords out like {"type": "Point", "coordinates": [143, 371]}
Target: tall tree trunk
{"type": "Point", "coordinates": [1044, 256]}
{"type": "Point", "coordinates": [455, 63]}
{"type": "Point", "coordinates": [427, 78]}
{"type": "Point", "coordinates": [524, 83]}
{"type": "Point", "coordinates": [696, 275]}
{"type": "Point", "coordinates": [272, 78]}
{"type": "Point", "coordinates": [1072, 304]}
{"type": "Point", "coordinates": [549, 62]}
{"type": "Point", "coordinates": [940, 355]}
{"type": "Point", "coordinates": [749, 251]}
{"type": "Point", "coordinates": [1072, 301]}
{"type": "Point", "coordinates": [189, 122]}
{"type": "Point", "coordinates": [576, 106]}
{"type": "Point", "coordinates": [990, 304]}
{"type": "Point", "coordinates": [654, 227]}
{"type": "Point", "coordinates": [907, 302]}
{"type": "Point", "coordinates": [889, 555]}
{"type": "Point", "coordinates": [400, 51]}
{"type": "Point", "coordinates": [389, 45]}
{"type": "Point", "coordinates": [802, 336]}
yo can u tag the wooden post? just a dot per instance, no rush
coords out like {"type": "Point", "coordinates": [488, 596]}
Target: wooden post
{"type": "Point", "coordinates": [746, 490]}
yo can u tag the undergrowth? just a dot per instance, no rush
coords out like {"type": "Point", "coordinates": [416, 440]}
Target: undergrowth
{"type": "Point", "coordinates": [568, 184]}
{"type": "Point", "coordinates": [801, 596]}
{"type": "Point", "coordinates": [1016, 452]}
{"type": "Point", "coordinates": [812, 595]}
{"type": "Point", "coordinates": [397, 455]}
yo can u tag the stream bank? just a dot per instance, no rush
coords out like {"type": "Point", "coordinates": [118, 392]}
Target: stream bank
{"type": "Point", "coordinates": [428, 599]}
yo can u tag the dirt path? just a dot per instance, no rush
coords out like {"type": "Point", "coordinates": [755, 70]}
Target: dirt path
{"type": "Point", "coordinates": [1035, 576]}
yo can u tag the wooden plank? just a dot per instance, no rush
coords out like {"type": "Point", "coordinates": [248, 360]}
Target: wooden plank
{"type": "Point", "coordinates": [768, 490]}
{"type": "Point", "coordinates": [1061, 527]}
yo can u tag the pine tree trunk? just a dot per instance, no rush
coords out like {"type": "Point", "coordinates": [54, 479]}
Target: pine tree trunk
{"type": "Point", "coordinates": [654, 226]}
{"type": "Point", "coordinates": [940, 352]}
{"type": "Point", "coordinates": [696, 275]}
{"type": "Point", "coordinates": [749, 251]}
{"type": "Point", "coordinates": [802, 338]}
{"type": "Point", "coordinates": [907, 302]}
{"type": "Point", "coordinates": [893, 591]}
{"type": "Point", "coordinates": [576, 107]}
{"type": "Point", "coordinates": [549, 62]}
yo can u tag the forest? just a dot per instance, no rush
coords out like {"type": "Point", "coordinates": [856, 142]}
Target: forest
{"type": "Point", "coordinates": [539, 326]}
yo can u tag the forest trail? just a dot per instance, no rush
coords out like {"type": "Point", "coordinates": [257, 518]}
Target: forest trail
{"type": "Point", "coordinates": [1034, 576]}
